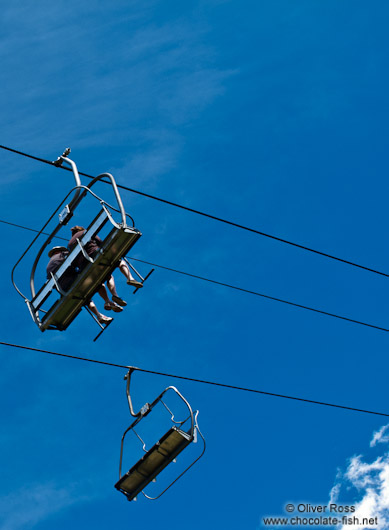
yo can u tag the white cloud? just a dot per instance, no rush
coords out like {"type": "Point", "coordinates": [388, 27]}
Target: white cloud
{"type": "Point", "coordinates": [371, 482]}
{"type": "Point", "coordinates": [381, 436]}
{"type": "Point", "coordinates": [334, 493]}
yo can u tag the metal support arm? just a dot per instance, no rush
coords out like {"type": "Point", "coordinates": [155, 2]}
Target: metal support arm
{"type": "Point", "coordinates": [146, 408]}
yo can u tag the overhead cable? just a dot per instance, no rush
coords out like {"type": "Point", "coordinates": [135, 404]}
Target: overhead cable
{"type": "Point", "coordinates": [236, 288]}
{"type": "Point", "coordinates": [194, 380]}
{"type": "Point", "coordinates": [31, 229]}
{"type": "Point", "coordinates": [209, 216]}
{"type": "Point", "coordinates": [264, 296]}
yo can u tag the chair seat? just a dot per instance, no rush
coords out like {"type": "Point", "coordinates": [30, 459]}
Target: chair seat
{"type": "Point", "coordinates": [115, 246]}
{"type": "Point", "coordinates": [153, 462]}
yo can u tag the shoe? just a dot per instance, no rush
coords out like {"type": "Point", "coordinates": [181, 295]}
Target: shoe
{"type": "Point", "coordinates": [134, 283]}
{"type": "Point", "coordinates": [111, 305]}
{"type": "Point", "coordinates": [119, 301]}
{"type": "Point", "coordinates": [105, 320]}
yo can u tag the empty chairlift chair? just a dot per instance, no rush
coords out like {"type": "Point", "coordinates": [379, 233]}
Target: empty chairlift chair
{"type": "Point", "coordinates": [180, 435]}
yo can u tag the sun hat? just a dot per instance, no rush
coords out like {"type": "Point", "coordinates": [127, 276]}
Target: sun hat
{"type": "Point", "coordinates": [54, 250]}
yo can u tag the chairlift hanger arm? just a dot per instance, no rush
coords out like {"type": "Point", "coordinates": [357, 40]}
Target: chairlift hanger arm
{"type": "Point", "coordinates": [74, 201]}
{"type": "Point", "coordinates": [149, 406]}
{"type": "Point", "coordinates": [128, 378]}
{"type": "Point", "coordinates": [58, 163]}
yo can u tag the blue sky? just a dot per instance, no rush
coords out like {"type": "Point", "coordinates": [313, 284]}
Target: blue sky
{"type": "Point", "coordinates": [270, 114]}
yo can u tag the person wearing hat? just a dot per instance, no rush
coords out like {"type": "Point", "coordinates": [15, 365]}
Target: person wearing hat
{"type": "Point", "coordinates": [57, 256]}
{"type": "Point", "coordinates": [91, 249]}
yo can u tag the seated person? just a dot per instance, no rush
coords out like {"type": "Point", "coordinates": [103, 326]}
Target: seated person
{"type": "Point", "coordinates": [91, 248]}
{"type": "Point", "coordinates": [57, 256]}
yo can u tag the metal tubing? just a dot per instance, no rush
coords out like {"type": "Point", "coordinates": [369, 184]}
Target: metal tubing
{"type": "Point", "coordinates": [57, 286]}
{"type": "Point", "coordinates": [75, 201]}
{"type": "Point", "coordinates": [40, 253]}
{"type": "Point", "coordinates": [78, 195]}
{"type": "Point", "coordinates": [83, 251]}
{"type": "Point", "coordinates": [116, 191]}
{"type": "Point", "coordinates": [128, 377]}
{"type": "Point", "coordinates": [156, 400]}
{"type": "Point", "coordinates": [172, 415]}
{"type": "Point", "coordinates": [103, 329]}
{"type": "Point", "coordinates": [72, 164]}
{"type": "Point", "coordinates": [142, 442]}
{"type": "Point", "coordinates": [140, 415]}
{"type": "Point", "coordinates": [134, 269]}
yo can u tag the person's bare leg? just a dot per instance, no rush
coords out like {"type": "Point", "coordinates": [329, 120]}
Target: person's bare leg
{"type": "Point", "coordinates": [112, 288]}
{"type": "Point", "coordinates": [125, 270]}
{"type": "Point", "coordinates": [94, 310]}
{"type": "Point", "coordinates": [100, 317]}
{"type": "Point", "coordinates": [103, 293]}
{"type": "Point", "coordinates": [108, 305]}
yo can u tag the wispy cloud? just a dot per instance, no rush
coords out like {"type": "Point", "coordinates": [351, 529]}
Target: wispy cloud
{"type": "Point", "coordinates": [129, 82]}
{"type": "Point", "coordinates": [370, 480]}
{"type": "Point", "coordinates": [381, 436]}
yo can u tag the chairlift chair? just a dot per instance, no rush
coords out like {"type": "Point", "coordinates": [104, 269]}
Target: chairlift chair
{"type": "Point", "coordinates": [163, 452]}
{"type": "Point", "coordinates": [121, 238]}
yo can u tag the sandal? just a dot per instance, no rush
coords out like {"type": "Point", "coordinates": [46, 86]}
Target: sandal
{"type": "Point", "coordinates": [134, 283]}
{"type": "Point", "coordinates": [111, 305]}
{"type": "Point", "coordinates": [119, 300]}
{"type": "Point", "coordinates": [105, 320]}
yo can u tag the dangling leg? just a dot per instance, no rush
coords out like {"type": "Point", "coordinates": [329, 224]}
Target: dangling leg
{"type": "Point", "coordinates": [125, 270]}
{"type": "Point", "coordinates": [100, 317]}
{"type": "Point", "coordinates": [108, 304]}
{"type": "Point", "coordinates": [112, 288]}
